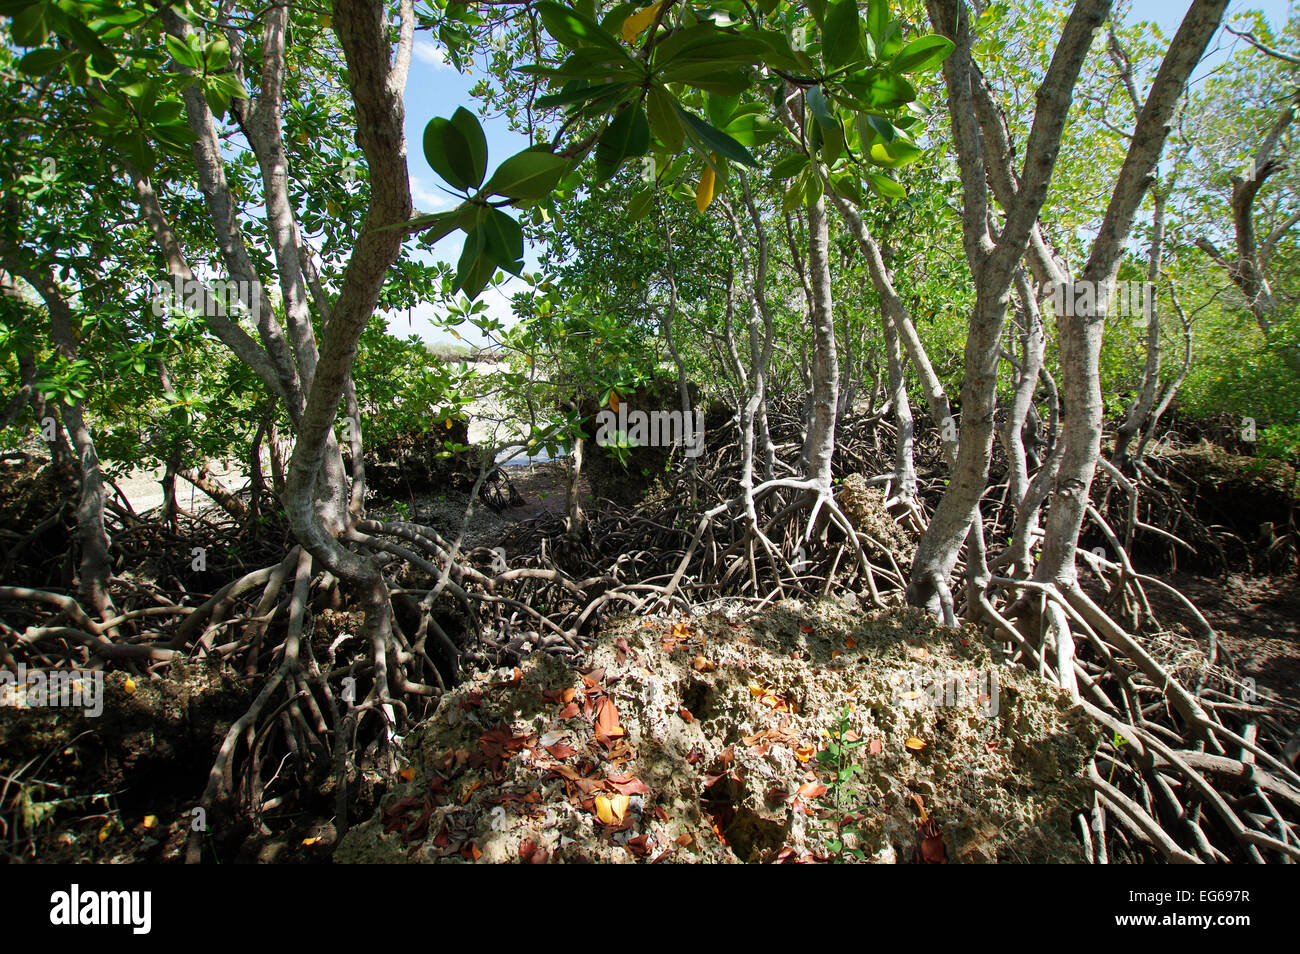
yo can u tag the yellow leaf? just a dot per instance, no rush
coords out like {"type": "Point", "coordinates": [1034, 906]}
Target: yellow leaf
{"type": "Point", "coordinates": [610, 809]}
{"type": "Point", "coordinates": [150, 821]}
{"type": "Point", "coordinates": [448, 423]}
{"type": "Point", "coordinates": [104, 832]}
{"type": "Point", "coordinates": [704, 192]}
{"type": "Point", "coordinates": [314, 839]}
{"type": "Point", "coordinates": [638, 21]}
{"type": "Point", "coordinates": [129, 688]}
{"type": "Point", "coordinates": [406, 774]}
{"type": "Point", "coordinates": [915, 744]}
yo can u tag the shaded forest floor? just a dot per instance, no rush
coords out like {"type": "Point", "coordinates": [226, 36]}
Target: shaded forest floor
{"type": "Point", "coordinates": [781, 736]}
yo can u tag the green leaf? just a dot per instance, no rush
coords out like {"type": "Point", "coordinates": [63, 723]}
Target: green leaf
{"type": "Point", "coordinates": [530, 174]}
{"type": "Point", "coordinates": [180, 52]}
{"type": "Point", "coordinates": [843, 33]}
{"type": "Point", "coordinates": [40, 62]}
{"type": "Point", "coordinates": [467, 124]}
{"type": "Point", "coordinates": [456, 149]}
{"type": "Point", "coordinates": [816, 100]}
{"type": "Point", "coordinates": [714, 140]}
{"type": "Point", "coordinates": [576, 92]}
{"type": "Point", "coordinates": [628, 136]}
{"type": "Point", "coordinates": [878, 19]}
{"type": "Point", "coordinates": [667, 128]}
{"type": "Point", "coordinates": [575, 29]}
{"type": "Point", "coordinates": [923, 54]}
{"type": "Point", "coordinates": [641, 204]}
{"type": "Point", "coordinates": [885, 187]}
{"type": "Point", "coordinates": [896, 154]}
{"type": "Point", "coordinates": [29, 27]}
{"type": "Point", "coordinates": [503, 241]}
{"type": "Point", "coordinates": [705, 43]}
{"type": "Point", "coordinates": [790, 166]}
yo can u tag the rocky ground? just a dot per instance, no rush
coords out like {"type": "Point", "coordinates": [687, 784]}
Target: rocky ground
{"type": "Point", "coordinates": [802, 733]}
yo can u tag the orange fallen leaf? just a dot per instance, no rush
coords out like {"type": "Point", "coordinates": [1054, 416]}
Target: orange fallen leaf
{"type": "Point", "coordinates": [805, 752]}
{"type": "Point", "coordinates": [876, 747]}
{"type": "Point", "coordinates": [915, 744]}
{"type": "Point", "coordinates": [464, 799]}
{"type": "Point", "coordinates": [685, 713]}
{"type": "Point", "coordinates": [700, 664]}
{"type": "Point", "coordinates": [851, 643]}
{"type": "Point", "coordinates": [811, 790]}
{"type": "Point", "coordinates": [607, 725]}
{"type": "Point", "coordinates": [308, 842]}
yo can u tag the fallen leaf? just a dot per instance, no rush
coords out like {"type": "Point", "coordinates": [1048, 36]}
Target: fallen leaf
{"type": "Point", "coordinates": [313, 840]}
{"type": "Point", "coordinates": [561, 751]}
{"type": "Point", "coordinates": [685, 713]}
{"type": "Point", "coordinates": [129, 688]}
{"type": "Point", "coordinates": [150, 821]}
{"type": "Point", "coordinates": [805, 752]}
{"type": "Point", "coordinates": [611, 809]}
{"type": "Point", "coordinates": [851, 643]}
{"type": "Point", "coordinates": [700, 664]}
{"type": "Point", "coordinates": [915, 744]}
{"type": "Point", "coordinates": [876, 747]}
{"type": "Point", "coordinates": [811, 790]}
{"type": "Point", "coordinates": [627, 785]}
{"type": "Point", "coordinates": [607, 726]}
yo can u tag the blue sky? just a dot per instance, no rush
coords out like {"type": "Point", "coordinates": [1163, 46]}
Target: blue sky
{"type": "Point", "coordinates": [435, 88]}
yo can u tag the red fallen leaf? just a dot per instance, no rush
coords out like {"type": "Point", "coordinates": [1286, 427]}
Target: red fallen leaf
{"type": "Point", "coordinates": [685, 713]}
{"type": "Point", "coordinates": [437, 784]}
{"type": "Point", "coordinates": [685, 839]}
{"type": "Point", "coordinates": [442, 838]}
{"type": "Point", "coordinates": [694, 756]}
{"type": "Point", "coordinates": [594, 678]}
{"type": "Point", "coordinates": [640, 845]}
{"type": "Point", "coordinates": [569, 711]}
{"type": "Point", "coordinates": [811, 790]}
{"type": "Point", "coordinates": [473, 699]}
{"type": "Point", "coordinates": [660, 813]}
{"type": "Point", "coordinates": [527, 848]}
{"type": "Point", "coordinates": [627, 785]}
{"type": "Point", "coordinates": [876, 747]}
{"type": "Point", "coordinates": [758, 751]}
{"type": "Point", "coordinates": [933, 851]}
{"type": "Point", "coordinates": [564, 771]}
{"type": "Point", "coordinates": [470, 851]}
{"type": "Point", "coordinates": [964, 641]}
{"type": "Point", "coordinates": [805, 629]}
{"type": "Point", "coordinates": [607, 726]}
{"type": "Point", "coordinates": [561, 751]}
{"type": "Point", "coordinates": [623, 651]}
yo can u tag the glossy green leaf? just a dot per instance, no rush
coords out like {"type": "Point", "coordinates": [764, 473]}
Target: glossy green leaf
{"type": "Point", "coordinates": [923, 54]}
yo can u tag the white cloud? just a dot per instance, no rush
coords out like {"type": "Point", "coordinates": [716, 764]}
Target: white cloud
{"type": "Point", "coordinates": [427, 199]}
{"type": "Point", "coordinates": [431, 53]}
